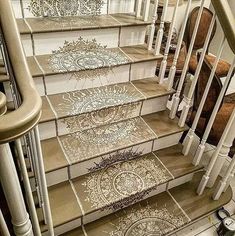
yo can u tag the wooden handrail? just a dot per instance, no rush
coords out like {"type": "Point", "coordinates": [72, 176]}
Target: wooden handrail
{"type": "Point", "coordinates": [227, 20]}
{"type": "Point", "coordinates": [16, 123]}
{"type": "Point", "coordinates": [3, 101]}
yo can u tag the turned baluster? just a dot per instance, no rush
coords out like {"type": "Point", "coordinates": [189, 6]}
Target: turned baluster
{"type": "Point", "coordinates": [160, 32]}
{"type": "Point", "coordinates": [176, 98]}
{"type": "Point", "coordinates": [201, 146]}
{"type": "Point", "coordinates": [168, 44]}
{"type": "Point", "coordinates": [219, 155]}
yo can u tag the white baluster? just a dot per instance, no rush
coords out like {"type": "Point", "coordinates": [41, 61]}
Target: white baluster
{"type": "Point", "coordinates": [223, 184]}
{"type": "Point", "coordinates": [138, 8]}
{"type": "Point", "coordinates": [230, 178]}
{"type": "Point", "coordinates": [168, 44]}
{"type": "Point", "coordinates": [178, 48]}
{"type": "Point", "coordinates": [3, 226]}
{"type": "Point", "coordinates": [201, 147]}
{"type": "Point", "coordinates": [152, 27]}
{"type": "Point", "coordinates": [188, 98]}
{"type": "Point", "coordinates": [146, 10]}
{"type": "Point", "coordinates": [28, 190]}
{"type": "Point", "coordinates": [220, 153]}
{"type": "Point", "coordinates": [43, 181]}
{"type": "Point", "coordinates": [160, 32]}
{"type": "Point", "coordinates": [12, 190]}
{"type": "Point", "coordinates": [176, 98]}
{"type": "Point", "coordinates": [190, 136]}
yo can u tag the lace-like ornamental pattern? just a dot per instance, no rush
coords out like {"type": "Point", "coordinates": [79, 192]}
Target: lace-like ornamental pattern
{"type": "Point", "coordinates": [123, 180]}
{"type": "Point", "coordinates": [61, 8]}
{"type": "Point", "coordinates": [88, 57]}
{"type": "Point", "coordinates": [147, 221]}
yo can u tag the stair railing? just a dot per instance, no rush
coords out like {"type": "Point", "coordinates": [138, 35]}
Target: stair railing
{"type": "Point", "coordinates": [15, 126]}
{"type": "Point", "coordinates": [225, 17]}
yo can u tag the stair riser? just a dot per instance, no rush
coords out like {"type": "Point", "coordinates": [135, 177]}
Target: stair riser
{"type": "Point", "coordinates": [114, 7]}
{"type": "Point", "coordinates": [45, 43]}
{"type": "Point", "coordinates": [88, 120]}
{"type": "Point", "coordinates": [59, 83]}
{"type": "Point", "coordinates": [75, 170]}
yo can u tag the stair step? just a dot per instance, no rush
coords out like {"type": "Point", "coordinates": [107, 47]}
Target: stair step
{"type": "Point", "coordinates": [80, 110]}
{"type": "Point", "coordinates": [160, 214]}
{"type": "Point", "coordinates": [117, 183]}
{"type": "Point", "coordinates": [73, 154]}
{"type": "Point", "coordinates": [52, 64]}
{"type": "Point", "coordinates": [75, 23]}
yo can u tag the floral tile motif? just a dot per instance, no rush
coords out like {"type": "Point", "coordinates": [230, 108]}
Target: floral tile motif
{"type": "Point", "coordinates": [148, 221]}
{"type": "Point", "coordinates": [83, 55]}
{"type": "Point", "coordinates": [88, 100]}
{"type": "Point", "coordinates": [101, 117]}
{"type": "Point", "coordinates": [120, 184]}
{"type": "Point", "coordinates": [84, 145]}
{"type": "Point", "coordinates": [156, 216]}
{"type": "Point", "coordinates": [55, 8]}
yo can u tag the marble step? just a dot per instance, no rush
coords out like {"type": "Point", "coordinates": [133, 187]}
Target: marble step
{"type": "Point", "coordinates": [162, 214]}
{"type": "Point", "coordinates": [80, 110]}
{"type": "Point", "coordinates": [40, 35]}
{"type": "Point", "coordinates": [65, 71]}
{"type": "Point", "coordinates": [69, 156]}
{"type": "Point", "coordinates": [116, 186]}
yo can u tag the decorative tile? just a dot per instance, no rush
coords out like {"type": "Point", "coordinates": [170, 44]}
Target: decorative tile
{"type": "Point", "coordinates": [84, 55]}
{"type": "Point", "coordinates": [56, 24]}
{"type": "Point", "coordinates": [63, 8]}
{"type": "Point", "coordinates": [121, 184]}
{"type": "Point", "coordinates": [88, 100]}
{"type": "Point", "coordinates": [100, 117]}
{"type": "Point", "coordinates": [90, 143]}
{"type": "Point", "coordinates": [158, 216]}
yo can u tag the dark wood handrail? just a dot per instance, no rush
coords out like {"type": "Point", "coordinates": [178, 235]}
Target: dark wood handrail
{"type": "Point", "coordinates": [18, 122]}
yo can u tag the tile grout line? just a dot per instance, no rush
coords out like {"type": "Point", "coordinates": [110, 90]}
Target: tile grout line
{"type": "Point", "coordinates": [164, 166]}
{"type": "Point", "coordinates": [131, 60]}
{"type": "Point", "coordinates": [62, 148]}
{"type": "Point", "coordinates": [52, 108]}
{"type": "Point", "coordinates": [179, 206]}
{"type": "Point", "coordinates": [156, 136]}
{"type": "Point", "coordinates": [78, 200]}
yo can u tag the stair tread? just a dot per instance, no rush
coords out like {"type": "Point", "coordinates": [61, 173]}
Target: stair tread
{"type": "Point", "coordinates": [59, 24]}
{"type": "Point", "coordinates": [175, 161]}
{"type": "Point", "coordinates": [89, 100]}
{"type": "Point", "coordinates": [64, 205]}
{"type": "Point", "coordinates": [88, 144]}
{"type": "Point", "coordinates": [120, 184]}
{"type": "Point", "coordinates": [56, 63]}
{"type": "Point", "coordinates": [162, 125]}
{"type": "Point", "coordinates": [81, 146]}
{"type": "Point", "coordinates": [161, 214]}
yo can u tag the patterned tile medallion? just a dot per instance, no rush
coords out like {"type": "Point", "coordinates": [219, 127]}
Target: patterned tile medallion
{"type": "Point", "coordinates": [84, 145]}
{"type": "Point", "coordinates": [101, 117]}
{"type": "Point", "coordinates": [55, 8]}
{"type": "Point", "coordinates": [83, 101]}
{"type": "Point", "coordinates": [82, 55]}
{"type": "Point", "coordinates": [148, 221]}
{"type": "Point", "coordinates": [121, 184]}
{"type": "Point", "coordinates": [155, 216]}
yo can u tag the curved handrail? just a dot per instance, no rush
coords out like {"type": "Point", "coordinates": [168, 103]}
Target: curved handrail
{"type": "Point", "coordinates": [16, 123]}
{"type": "Point", "coordinates": [227, 20]}
{"type": "Point", "coordinates": [3, 102]}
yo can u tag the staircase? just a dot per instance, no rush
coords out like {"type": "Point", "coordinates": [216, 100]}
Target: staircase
{"type": "Point", "coordinates": [112, 156]}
